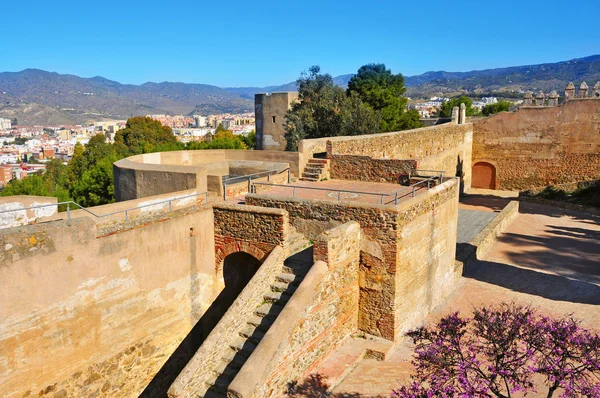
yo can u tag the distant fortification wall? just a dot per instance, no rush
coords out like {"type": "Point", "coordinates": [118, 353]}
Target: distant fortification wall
{"type": "Point", "coordinates": [88, 311]}
{"type": "Point", "coordinates": [538, 146]}
{"type": "Point", "coordinates": [445, 147]}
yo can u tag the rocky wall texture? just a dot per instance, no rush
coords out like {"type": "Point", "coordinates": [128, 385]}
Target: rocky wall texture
{"type": "Point", "coordinates": [406, 252]}
{"type": "Point", "coordinates": [445, 147]}
{"type": "Point", "coordinates": [191, 381]}
{"type": "Point", "coordinates": [536, 147]}
{"type": "Point", "coordinates": [365, 168]}
{"type": "Point", "coordinates": [250, 229]}
{"type": "Point", "coordinates": [318, 317]}
{"type": "Point", "coordinates": [378, 249]}
{"type": "Point", "coordinates": [89, 314]}
{"type": "Point", "coordinates": [426, 270]}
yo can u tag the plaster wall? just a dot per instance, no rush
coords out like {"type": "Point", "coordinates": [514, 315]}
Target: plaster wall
{"type": "Point", "coordinates": [96, 312]}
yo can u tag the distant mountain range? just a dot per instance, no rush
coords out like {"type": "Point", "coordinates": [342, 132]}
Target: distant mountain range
{"type": "Point", "coordinates": [39, 97]}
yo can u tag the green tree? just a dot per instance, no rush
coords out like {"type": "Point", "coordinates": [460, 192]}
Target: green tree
{"type": "Point", "coordinates": [324, 110]}
{"type": "Point", "coordinates": [446, 109]}
{"type": "Point", "coordinates": [384, 92]}
{"type": "Point", "coordinates": [96, 185]}
{"type": "Point", "coordinates": [249, 140]}
{"type": "Point", "coordinates": [500, 106]}
{"type": "Point", "coordinates": [142, 135]}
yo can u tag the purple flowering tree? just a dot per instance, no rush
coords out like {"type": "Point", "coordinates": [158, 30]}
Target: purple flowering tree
{"type": "Point", "coordinates": [503, 351]}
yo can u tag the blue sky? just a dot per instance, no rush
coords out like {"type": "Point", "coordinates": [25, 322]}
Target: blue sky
{"type": "Point", "coordinates": [259, 43]}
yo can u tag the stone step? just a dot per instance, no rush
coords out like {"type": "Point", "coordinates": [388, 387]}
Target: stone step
{"type": "Point", "coordinates": [261, 323]}
{"type": "Point", "coordinates": [309, 179]}
{"type": "Point", "coordinates": [321, 161]}
{"type": "Point", "coordinates": [268, 309]}
{"type": "Point", "coordinates": [228, 355]}
{"type": "Point", "coordinates": [237, 362]}
{"type": "Point", "coordinates": [307, 174]}
{"type": "Point", "coordinates": [253, 334]}
{"type": "Point", "coordinates": [314, 168]}
{"type": "Point", "coordinates": [239, 344]}
{"type": "Point", "coordinates": [276, 297]}
{"type": "Point", "coordinates": [215, 394]}
{"type": "Point", "coordinates": [286, 277]}
{"type": "Point", "coordinates": [279, 286]}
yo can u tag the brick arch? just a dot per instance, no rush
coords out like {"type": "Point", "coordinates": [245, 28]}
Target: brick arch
{"type": "Point", "coordinates": [234, 247]}
{"type": "Point", "coordinates": [484, 175]}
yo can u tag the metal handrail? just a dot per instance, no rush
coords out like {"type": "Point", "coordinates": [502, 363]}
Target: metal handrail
{"type": "Point", "coordinates": [413, 187]}
{"type": "Point", "coordinates": [250, 177]}
{"type": "Point", "coordinates": [126, 211]}
{"type": "Point", "coordinates": [339, 191]}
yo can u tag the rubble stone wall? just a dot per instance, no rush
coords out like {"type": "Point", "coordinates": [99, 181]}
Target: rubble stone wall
{"type": "Point", "coordinates": [540, 146]}
{"type": "Point", "coordinates": [365, 168]}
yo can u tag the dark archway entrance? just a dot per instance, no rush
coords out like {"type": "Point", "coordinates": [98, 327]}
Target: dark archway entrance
{"type": "Point", "coordinates": [238, 269]}
{"type": "Point", "coordinates": [484, 176]}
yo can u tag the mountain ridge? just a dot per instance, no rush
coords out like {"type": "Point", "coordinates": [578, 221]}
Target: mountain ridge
{"type": "Point", "coordinates": [40, 97]}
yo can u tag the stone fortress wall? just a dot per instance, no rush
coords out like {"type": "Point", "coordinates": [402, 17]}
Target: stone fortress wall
{"type": "Point", "coordinates": [87, 310]}
{"type": "Point", "coordinates": [270, 110]}
{"type": "Point", "coordinates": [538, 146]}
{"type": "Point", "coordinates": [396, 285]}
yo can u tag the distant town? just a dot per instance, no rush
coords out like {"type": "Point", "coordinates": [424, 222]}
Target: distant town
{"type": "Point", "coordinates": [25, 149]}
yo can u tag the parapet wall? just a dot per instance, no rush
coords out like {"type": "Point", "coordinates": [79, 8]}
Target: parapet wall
{"type": "Point", "coordinates": [540, 146]}
{"type": "Point", "coordinates": [164, 172]}
{"type": "Point", "coordinates": [92, 312]}
{"type": "Point", "coordinates": [365, 168]}
{"type": "Point", "coordinates": [407, 251]}
{"type": "Point", "coordinates": [23, 217]}
{"type": "Point", "coordinates": [445, 147]}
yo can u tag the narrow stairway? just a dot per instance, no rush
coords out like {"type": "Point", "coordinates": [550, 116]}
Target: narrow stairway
{"type": "Point", "coordinates": [315, 170]}
{"type": "Point", "coordinates": [233, 358]}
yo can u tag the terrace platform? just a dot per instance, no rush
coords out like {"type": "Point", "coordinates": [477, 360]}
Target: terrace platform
{"type": "Point", "coordinates": [344, 190]}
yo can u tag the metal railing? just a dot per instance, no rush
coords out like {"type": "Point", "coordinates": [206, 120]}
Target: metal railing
{"type": "Point", "coordinates": [339, 192]}
{"type": "Point", "coordinates": [68, 204]}
{"type": "Point", "coordinates": [250, 177]}
{"type": "Point", "coordinates": [409, 190]}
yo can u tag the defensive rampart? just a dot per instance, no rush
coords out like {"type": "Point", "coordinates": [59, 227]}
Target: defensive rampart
{"type": "Point", "coordinates": [407, 251]}
{"type": "Point", "coordinates": [445, 147]}
{"type": "Point", "coordinates": [163, 172]}
{"type": "Point", "coordinates": [89, 311]}
{"type": "Point", "coordinates": [538, 146]}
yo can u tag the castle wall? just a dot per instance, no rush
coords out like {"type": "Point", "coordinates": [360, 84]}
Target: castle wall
{"type": "Point", "coordinates": [540, 146]}
{"type": "Point", "coordinates": [398, 244]}
{"type": "Point", "coordinates": [270, 110]}
{"type": "Point", "coordinates": [88, 311]}
{"type": "Point", "coordinates": [365, 168]}
{"type": "Point", "coordinates": [446, 147]}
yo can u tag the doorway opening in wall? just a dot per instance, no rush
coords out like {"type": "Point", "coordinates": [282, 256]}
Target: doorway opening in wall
{"type": "Point", "coordinates": [484, 176]}
{"type": "Point", "coordinates": [238, 269]}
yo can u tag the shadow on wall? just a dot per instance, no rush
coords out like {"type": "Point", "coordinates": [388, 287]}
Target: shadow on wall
{"type": "Point", "coordinates": [315, 386]}
{"type": "Point", "coordinates": [460, 173]}
{"type": "Point", "coordinates": [238, 269]}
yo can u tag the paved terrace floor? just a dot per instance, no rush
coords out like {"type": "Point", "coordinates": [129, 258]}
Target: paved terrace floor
{"type": "Point", "coordinates": [371, 191]}
{"type": "Point", "coordinates": [548, 258]}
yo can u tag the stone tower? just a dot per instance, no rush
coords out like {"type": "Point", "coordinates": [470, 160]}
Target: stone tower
{"type": "Point", "coordinates": [528, 99]}
{"type": "Point", "coordinates": [553, 98]}
{"type": "Point", "coordinates": [270, 112]}
{"type": "Point", "coordinates": [583, 90]}
{"type": "Point", "coordinates": [569, 91]}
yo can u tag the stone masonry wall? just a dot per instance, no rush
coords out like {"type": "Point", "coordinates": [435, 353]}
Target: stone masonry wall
{"type": "Point", "coordinates": [445, 147]}
{"type": "Point", "coordinates": [253, 230]}
{"type": "Point", "coordinates": [365, 168]}
{"type": "Point", "coordinates": [540, 146]}
{"type": "Point", "coordinates": [90, 313]}
{"type": "Point", "coordinates": [414, 241]}
{"type": "Point", "coordinates": [426, 270]}
{"type": "Point", "coordinates": [191, 381]}
{"type": "Point", "coordinates": [318, 317]}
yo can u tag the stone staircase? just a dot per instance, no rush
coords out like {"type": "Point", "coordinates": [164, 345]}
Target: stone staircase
{"type": "Point", "coordinates": [315, 170]}
{"type": "Point", "coordinates": [239, 350]}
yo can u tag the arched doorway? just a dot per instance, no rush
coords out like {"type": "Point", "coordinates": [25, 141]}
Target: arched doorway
{"type": "Point", "coordinates": [484, 176]}
{"type": "Point", "coordinates": [238, 269]}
